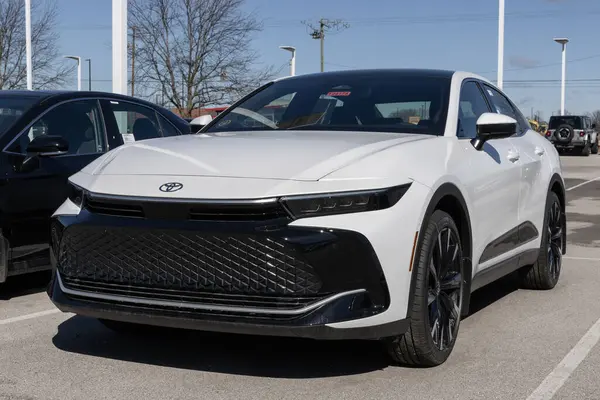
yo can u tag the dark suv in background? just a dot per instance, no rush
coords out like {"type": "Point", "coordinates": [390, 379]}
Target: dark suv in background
{"type": "Point", "coordinates": [573, 132]}
{"type": "Point", "coordinates": [45, 137]}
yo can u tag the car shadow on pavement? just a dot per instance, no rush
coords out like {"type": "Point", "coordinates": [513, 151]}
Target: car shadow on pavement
{"type": "Point", "coordinates": [264, 356]}
{"type": "Point", "coordinates": [22, 285]}
{"type": "Point", "coordinates": [223, 353]}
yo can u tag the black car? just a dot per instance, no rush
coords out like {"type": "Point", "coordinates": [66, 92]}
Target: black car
{"type": "Point", "coordinates": [47, 136]}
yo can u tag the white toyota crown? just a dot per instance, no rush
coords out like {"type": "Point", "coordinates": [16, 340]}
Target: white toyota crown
{"type": "Point", "coordinates": [362, 204]}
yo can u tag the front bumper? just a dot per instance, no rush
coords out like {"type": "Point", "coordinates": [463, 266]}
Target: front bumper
{"type": "Point", "coordinates": [317, 277]}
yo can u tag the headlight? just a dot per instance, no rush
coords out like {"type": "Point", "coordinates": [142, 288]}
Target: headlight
{"type": "Point", "coordinates": [76, 194]}
{"type": "Point", "coordinates": [343, 202]}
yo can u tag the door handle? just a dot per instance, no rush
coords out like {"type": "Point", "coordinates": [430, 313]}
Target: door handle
{"type": "Point", "coordinates": [539, 151]}
{"type": "Point", "coordinates": [513, 156]}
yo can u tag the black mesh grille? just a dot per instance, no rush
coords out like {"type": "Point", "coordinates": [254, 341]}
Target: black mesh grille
{"type": "Point", "coordinates": [185, 261]}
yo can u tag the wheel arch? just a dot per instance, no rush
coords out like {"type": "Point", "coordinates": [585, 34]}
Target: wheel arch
{"type": "Point", "coordinates": [447, 198]}
{"type": "Point", "coordinates": [557, 186]}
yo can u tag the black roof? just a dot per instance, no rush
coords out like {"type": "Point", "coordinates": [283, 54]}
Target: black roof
{"type": "Point", "coordinates": [382, 72]}
{"type": "Point", "coordinates": [58, 95]}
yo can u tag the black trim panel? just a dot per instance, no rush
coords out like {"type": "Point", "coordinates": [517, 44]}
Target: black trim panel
{"type": "Point", "coordinates": [509, 241]}
{"type": "Point", "coordinates": [504, 268]}
{"type": "Point", "coordinates": [310, 326]}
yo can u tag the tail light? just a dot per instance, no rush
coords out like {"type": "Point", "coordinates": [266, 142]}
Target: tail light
{"type": "Point", "coordinates": [582, 133]}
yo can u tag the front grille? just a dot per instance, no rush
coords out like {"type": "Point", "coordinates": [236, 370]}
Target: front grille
{"type": "Point", "coordinates": [184, 210]}
{"type": "Point", "coordinates": [185, 262]}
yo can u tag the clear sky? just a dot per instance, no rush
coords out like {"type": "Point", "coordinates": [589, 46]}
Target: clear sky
{"type": "Point", "coordinates": [446, 34]}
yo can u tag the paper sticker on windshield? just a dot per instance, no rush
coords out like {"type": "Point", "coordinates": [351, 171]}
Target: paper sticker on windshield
{"type": "Point", "coordinates": [333, 94]}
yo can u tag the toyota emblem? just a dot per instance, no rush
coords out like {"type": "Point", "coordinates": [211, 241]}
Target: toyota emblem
{"type": "Point", "coordinates": [170, 187]}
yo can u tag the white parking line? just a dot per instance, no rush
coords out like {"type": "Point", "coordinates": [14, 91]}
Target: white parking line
{"type": "Point", "coordinates": [565, 368]}
{"type": "Point", "coordinates": [583, 183]}
{"type": "Point", "coordinates": [582, 258]}
{"type": "Point", "coordinates": [28, 316]}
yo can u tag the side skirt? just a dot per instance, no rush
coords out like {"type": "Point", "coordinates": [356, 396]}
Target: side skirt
{"type": "Point", "coordinates": [504, 268]}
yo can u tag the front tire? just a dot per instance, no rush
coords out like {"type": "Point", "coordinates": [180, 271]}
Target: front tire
{"type": "Point", "coordinates": [544, 274]}
{"type": "Point", "coordinates": [438, 296]}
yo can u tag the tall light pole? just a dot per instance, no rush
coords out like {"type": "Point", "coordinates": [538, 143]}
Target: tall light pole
{"type": "Point", "coordinates": [119, 46]}
{"type": "Point", "coordinates": [78, 59]}
{"type": "Point", "coordinates": [563, 42]}
{"type": "Point", "coordinates": [89, 60]}
{"type": "Point", "coordinates": [293, 60]}
{"type": "Point", "coordinates": [28, 44]}
{"type": "Point", "coordinates": [500, 81]}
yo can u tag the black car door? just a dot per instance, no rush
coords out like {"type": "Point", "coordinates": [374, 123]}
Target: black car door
{"type": "Point", "coordinates": [36, 184]}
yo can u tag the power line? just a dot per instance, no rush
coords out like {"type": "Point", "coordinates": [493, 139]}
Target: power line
{"type": "Point", "coordinates": [325, 25]}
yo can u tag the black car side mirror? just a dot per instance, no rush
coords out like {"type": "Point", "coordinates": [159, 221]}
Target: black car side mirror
{"type": "Point", "coordinates": [493, 126]}
{"type": "Point", "coordinates": [48, 146]}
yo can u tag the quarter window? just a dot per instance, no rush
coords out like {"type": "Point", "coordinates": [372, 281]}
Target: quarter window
{"type": "Point", "coordinates": [472, 104]}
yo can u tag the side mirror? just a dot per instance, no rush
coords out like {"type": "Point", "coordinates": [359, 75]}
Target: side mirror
{"type": "Point", "coordinates": [48, 146]}
{"type": "Point", "coordinates": [593, 126]}
{"type": "Point", "coordinates": [493, 126]}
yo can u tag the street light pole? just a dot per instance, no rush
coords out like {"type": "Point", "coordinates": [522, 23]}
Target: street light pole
{"type": "Point", "coordinates": [563, 42]}
{"type": "Point", "coordinates": [78, 59]}
{"type": "Point", "coordinates": [28, 44]}
{"type": "Point", "coordinates": [89, 60]}
{"type": "Point", "coordinates": [293, 60]}
{"type": "Point", "coordinates": [500, 44]}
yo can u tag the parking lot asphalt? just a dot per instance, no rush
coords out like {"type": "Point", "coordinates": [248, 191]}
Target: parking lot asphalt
{"type": "Point", "coordinates": [516, 344]}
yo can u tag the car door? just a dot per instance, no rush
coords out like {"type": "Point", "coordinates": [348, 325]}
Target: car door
{"type": "Point", "coordinates": [491, 177]}
{"type": "Point", "coordinates": [532, 192]}
{"type": "Point", "coordinates": [37, 185]}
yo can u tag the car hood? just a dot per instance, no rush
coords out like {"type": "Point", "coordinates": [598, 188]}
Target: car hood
{"type": "Point", "coordinates": [290, 155]}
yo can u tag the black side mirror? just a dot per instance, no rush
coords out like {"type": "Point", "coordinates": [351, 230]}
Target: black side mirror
{"type": "Point", "coordinates": [493, 126]}
{"type": "Point", "coordinates": [48, 146]}
{"type": "Point", "coordinates": [593, 126]}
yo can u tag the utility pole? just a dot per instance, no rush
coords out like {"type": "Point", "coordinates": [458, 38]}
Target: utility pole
{"type": "Point", "coordinates": [319, 33]}
{"type": "Point", "coordinates": [132, 60]}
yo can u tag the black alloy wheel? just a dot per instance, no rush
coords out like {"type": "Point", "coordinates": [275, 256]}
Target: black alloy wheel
{"type": "Point", "coordinates": [437, 301]}
{"type": "Point", "coordinates": [445, 289]}
{"type": "Point", "coordinates": [545, 273]}
{"type": "Point", "coordinates": [554, 240]}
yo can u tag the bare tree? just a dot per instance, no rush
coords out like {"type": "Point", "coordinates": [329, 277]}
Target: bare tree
{"type": "Point", "coordinates": [47, 71]}
{"type": "Point", "coordinates": [595, 117]}
{"type": "Point", "coordinates": [195, 52]}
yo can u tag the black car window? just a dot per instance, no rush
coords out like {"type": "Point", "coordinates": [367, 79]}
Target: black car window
{"type": "Point", "coordinates": [501, 105]}
{"type": "Point", "coordinates": [385, 102]}
{"type": "Point", "coordinates": [77, 121]}
{"type": "Point", "coordinates": [12, 108]}
{"type": "Point", "coordinates": [135, 122]}
{"type": "Point", "coordinates": [167, 128]}
{"type": "Point", "coordinates": [556, 121]}
{"type": "Point", "coordinates": [471, 105]}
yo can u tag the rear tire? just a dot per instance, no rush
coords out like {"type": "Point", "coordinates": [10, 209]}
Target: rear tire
{"type": "Point", "coordinates": [438, 297]}
{"type": "Point", "coordinates": [544, 274]}
{"type": "Point", "coordinates": [585, 151]}
{"type": "Point", "coordinates": [595, 147]}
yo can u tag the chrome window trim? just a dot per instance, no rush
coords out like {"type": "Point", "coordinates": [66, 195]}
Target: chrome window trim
{"type": "Point", "coordinates": [203, 307]}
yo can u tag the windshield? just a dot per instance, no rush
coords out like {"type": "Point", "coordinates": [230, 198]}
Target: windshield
{"type": "Point", "coordinates": [575, 122]}
{"type": "Point", "coordinates": [369, 102]}
{"type": "Point", "coordinates": [11, 109]}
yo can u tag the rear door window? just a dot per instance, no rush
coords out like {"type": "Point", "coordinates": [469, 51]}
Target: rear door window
{"type": "Point", "coordinates": [133, 122]}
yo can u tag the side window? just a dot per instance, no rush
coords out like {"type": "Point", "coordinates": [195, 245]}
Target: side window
{"type": "Point", "coordinates": [133, 122]}
{"type": "Point", "coordinates": [167, 128]}
{"type": "Point", "coordinates": [502, 105]}
{"type": "Point", "coordinates": [78, 122]}
{"type": "Point", "coordinates": [472, 104]}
